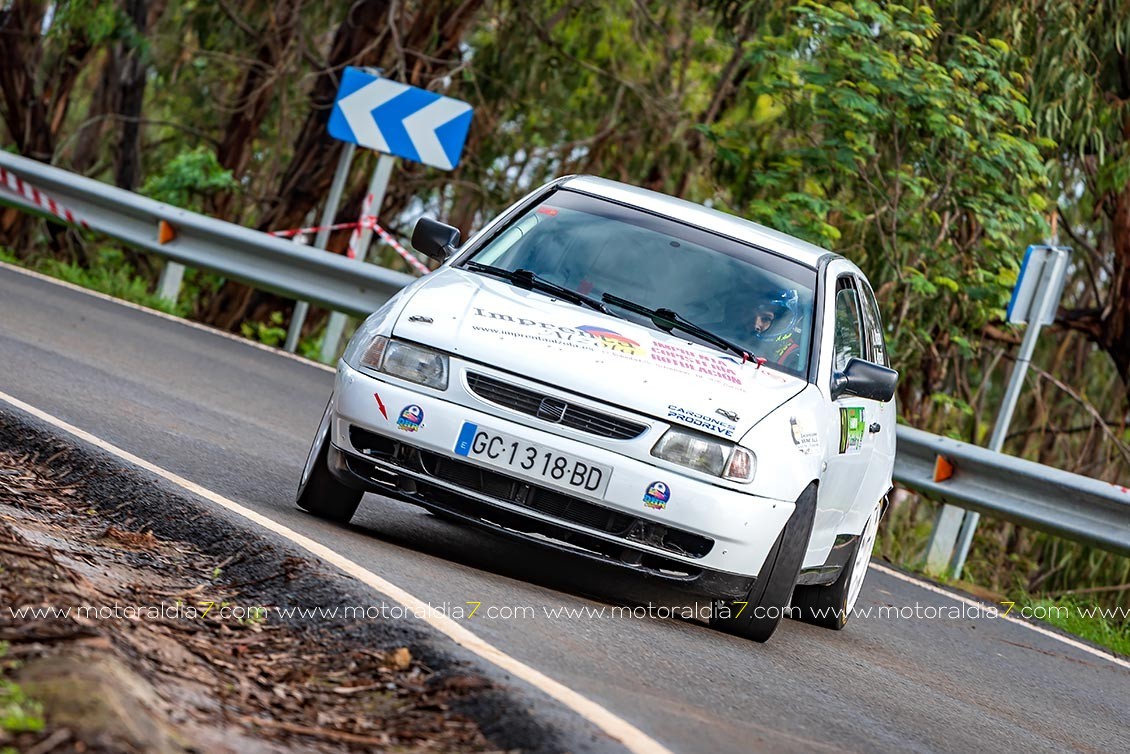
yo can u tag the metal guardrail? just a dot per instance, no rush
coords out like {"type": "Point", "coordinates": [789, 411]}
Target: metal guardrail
{"type": "Point", "coordinates": [1020, 491]}
{"type": "Point", "coordinates": [240, 253]}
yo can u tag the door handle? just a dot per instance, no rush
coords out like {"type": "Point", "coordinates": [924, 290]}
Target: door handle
{"type": "Point", "coordinates": [874, 428]}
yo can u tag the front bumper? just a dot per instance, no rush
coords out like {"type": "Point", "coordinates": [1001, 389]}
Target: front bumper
{"type": "Point", "coordinates": [710, 540]}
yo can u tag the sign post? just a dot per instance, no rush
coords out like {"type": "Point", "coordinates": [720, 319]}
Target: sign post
{"type": "Point", "coordinates": [328, 214]}
{"type": "Point", "coordinates": [396, 120]}
{"type": "Point", "coordinates": [369, 209]}
{"type": "Point", "coordinates": [1035, 298]}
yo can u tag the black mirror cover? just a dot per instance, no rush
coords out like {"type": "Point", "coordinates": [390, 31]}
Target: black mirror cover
{"type": "Point", "coordinates": [437, 240]}
{"type": "Point", "coordinates": [864, 379]}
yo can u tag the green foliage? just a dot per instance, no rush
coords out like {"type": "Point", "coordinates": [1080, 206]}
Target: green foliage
{"type": "Point", "coordinates": [866, 130]}
{"type": "Point", "coordinates": [110, 274]}
{"type": "Point", "coordinates": [98, 21]}
{"type": "Point", "coordinates": [1082, 619]}
{"type": "Point", "coordinates": [18, 714]}
{"type": "Point", "coordinates": [188, 178]}
{"type": "Point", "coordinates": [271, 332]}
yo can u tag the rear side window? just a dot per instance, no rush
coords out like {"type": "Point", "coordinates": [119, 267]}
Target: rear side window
{"type": "Point", "coordinates": [848, 326]}
{"type": "Point", "coordinates": [874, 326]}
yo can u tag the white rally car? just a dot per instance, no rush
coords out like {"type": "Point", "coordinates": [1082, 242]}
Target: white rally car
{"type": "Point", "coordinates": [636, 379]}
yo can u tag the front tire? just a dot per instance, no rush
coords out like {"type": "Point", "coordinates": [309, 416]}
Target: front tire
{"type": "Point", "coordinates": [318, 492]}
{"type": "Point", "coordinates": [830, 606]}
{"type": "Point", "coordinates": [768, 600]}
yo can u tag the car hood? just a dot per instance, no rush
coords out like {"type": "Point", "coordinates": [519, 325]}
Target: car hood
{"type": "Point", "coordinates": [586, 352]}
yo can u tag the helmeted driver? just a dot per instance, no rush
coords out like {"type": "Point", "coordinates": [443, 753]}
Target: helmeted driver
{"type": "Point", "coordinates": [776, 328]}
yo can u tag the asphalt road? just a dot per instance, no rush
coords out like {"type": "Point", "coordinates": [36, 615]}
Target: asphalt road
{"type": "Point", "coordinates": [238, 420]}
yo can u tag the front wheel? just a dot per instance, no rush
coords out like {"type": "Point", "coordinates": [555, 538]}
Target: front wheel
{"type": "Point", "coordinates": [318, 492]}
{"type": "Point", "coordinates": [758, 616]}
{"type": "Point", "coordinates": [830, 606]}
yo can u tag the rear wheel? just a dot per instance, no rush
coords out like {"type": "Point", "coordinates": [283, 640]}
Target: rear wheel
{"type": "Point", "coordinates": [758, 616]}
{"type": "Point", "coordinates": [318, 492]}
{"type": "Point", "coordinates": [830, 606]}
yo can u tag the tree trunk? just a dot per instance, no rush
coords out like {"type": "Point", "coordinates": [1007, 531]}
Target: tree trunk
{"type": "Point", "coordinates": [1115, 337]}
{"type": "Point", "coordinates": [34, 115]}
{"type": "Point", "coordinates": [256, 95]}
{"type": "Point", "coordinates": [424, 50]}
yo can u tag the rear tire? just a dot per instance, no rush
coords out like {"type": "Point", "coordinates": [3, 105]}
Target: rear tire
{"type": "Point", "coordinates": [318, 492]}
{"type": "Point", "coordinates": [830, 606]}
{"type": "Point", "coordinates": [768, 600]}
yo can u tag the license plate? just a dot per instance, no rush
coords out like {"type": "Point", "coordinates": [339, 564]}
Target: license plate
{"type": "Point", "coordinates": [532, 460]}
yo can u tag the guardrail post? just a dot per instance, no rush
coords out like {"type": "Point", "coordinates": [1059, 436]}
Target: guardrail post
{"type": "Point", "coordinates": [947, 527]}
{"type": "Point", "coordinates": [168, 288]}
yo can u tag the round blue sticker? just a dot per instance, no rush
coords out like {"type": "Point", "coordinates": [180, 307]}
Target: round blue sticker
{"type": "Point", "coordinates": [657, 495]}
{"type": "Point", "coordinates": [410, 418]}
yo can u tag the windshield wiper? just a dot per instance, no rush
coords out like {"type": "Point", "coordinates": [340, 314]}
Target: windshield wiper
{"type": "Point", "coordinates": [530, 280]}
{"type": "Point", "coordinates": [668, 320]}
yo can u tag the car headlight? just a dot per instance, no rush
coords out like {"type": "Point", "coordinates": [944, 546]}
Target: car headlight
{"type": "Point", "coordinates": [706, 454]}
{"type": "Point", "coordinates": [406, 361]}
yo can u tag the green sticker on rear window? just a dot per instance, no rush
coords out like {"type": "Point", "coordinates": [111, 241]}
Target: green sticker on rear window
{"type": "Point", "coordinates": [851, 429]}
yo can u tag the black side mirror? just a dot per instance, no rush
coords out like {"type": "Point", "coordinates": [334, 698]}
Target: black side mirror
{"type": "Point", "coordinates": [435, 239]}
{"type": "Point", "coordinates": [865, 380]}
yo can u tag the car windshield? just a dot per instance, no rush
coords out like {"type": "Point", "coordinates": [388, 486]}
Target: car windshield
{"type": "Point", "coordinates": [608, 252]}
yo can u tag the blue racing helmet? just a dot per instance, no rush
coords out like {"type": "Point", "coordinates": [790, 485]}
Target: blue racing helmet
{"type": "Point", "coordinates": [784, 303]}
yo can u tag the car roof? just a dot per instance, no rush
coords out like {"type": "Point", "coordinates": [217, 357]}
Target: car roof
{"type": "Point", "coordinates": [702, 217]}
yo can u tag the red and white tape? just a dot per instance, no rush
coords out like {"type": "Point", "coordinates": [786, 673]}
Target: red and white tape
{"type": "Point", "coordinates": [365, 223]}
{"type": "Point", "coordinates": [308, 231]}
{"type": "Point", "coordinates": [410, 258]}
{"type": "Point", "coordinates": [368, 222]}
{"type": "Point", "coordinates": [17, 185]}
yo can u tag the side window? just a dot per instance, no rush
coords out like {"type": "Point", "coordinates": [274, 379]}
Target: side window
{"type": "Point", "coordinates": [874, 326]}
{"type": "Point", "coordinates": [848, 330]}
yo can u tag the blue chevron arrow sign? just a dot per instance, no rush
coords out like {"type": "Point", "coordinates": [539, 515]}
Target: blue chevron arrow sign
{"type": "Point", "coordinates": [400, 120]}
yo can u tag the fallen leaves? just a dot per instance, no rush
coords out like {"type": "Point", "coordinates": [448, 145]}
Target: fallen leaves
{"type": "Point", "coordinates": [247, 676]}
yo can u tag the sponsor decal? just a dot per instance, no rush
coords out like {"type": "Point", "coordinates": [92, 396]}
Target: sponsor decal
{"type": "Point", "coordinates": [613, 340]}
{"type": "Point", "coordinates": [680, 359]}
{"type": "Point", "coordinates": [702, 421]}
{"type": "Point", "coordinates": [656, 496]}
{"type": "Point", "coordinates": [381, 406]}
{"type": "Point", "coordinates": [586, 337]}
{"type": "Point", "coordinates": [851, 429]}
{"type": "Point", "coordinates": [410, 418]}
{"type": "Point", "coordinates": [805, 439]}
{"type": "Point", "coordinates": [667, 356]}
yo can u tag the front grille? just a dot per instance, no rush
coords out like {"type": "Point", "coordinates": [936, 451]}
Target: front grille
{"type": "Point", "coordinates": [541, 499]}
{"type": "Point", "coordinates": [552, 409]}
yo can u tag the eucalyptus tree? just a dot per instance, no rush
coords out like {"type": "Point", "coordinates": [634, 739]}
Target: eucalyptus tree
{"type": "Point", "coordinates": [861, 127]}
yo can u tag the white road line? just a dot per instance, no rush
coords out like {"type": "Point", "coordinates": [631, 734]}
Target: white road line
{"type": "Point", "coordinates": [981, 605]}
{"type": "Point", "coordinates": [167, 316]}
{"type": "Point", "coordinates": [621, 730]}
